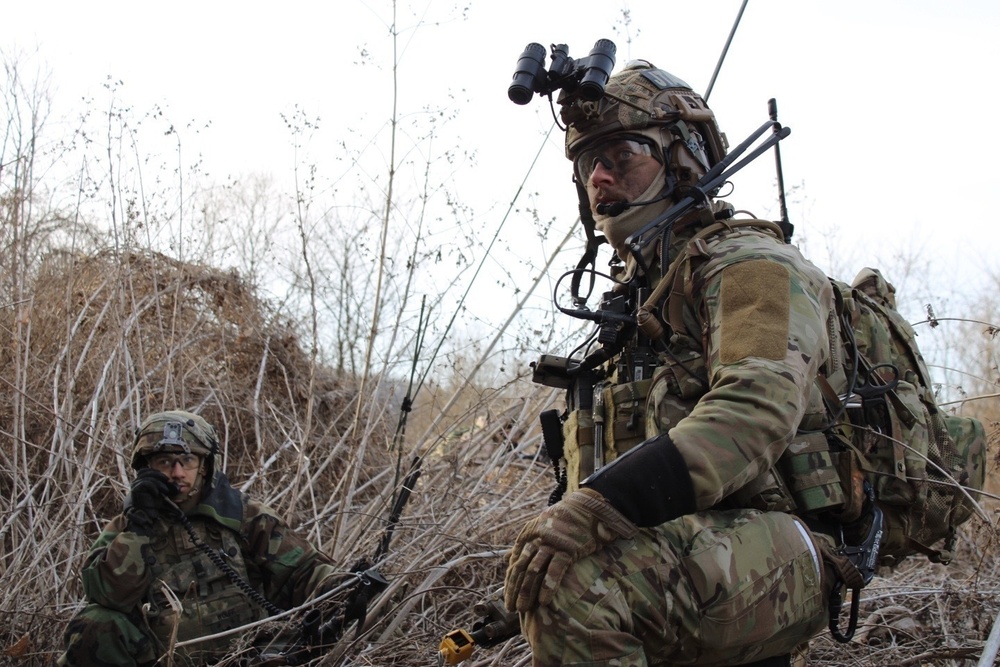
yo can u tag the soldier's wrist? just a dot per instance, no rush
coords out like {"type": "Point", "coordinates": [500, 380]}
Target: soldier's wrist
{"type": "Point", "coordinates": [650, 484]}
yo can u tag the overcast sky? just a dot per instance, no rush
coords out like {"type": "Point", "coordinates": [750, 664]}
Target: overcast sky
{"type": "Point", "coordinates": [891, 103]}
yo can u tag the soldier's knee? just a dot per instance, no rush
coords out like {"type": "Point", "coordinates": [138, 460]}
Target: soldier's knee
{"type": "Point", "coordinates": [686, 586]}
{"type": "Point", "coordinates": [102, 637]}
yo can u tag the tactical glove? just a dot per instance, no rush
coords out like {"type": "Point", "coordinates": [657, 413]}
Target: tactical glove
{"type": "Point", "coordinates": [580, 524]}
{"type": "Point", "coordinates": [146, 500]}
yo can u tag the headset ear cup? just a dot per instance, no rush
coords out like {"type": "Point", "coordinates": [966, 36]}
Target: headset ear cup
{"type": "Point", "coordinates": [686, 168]}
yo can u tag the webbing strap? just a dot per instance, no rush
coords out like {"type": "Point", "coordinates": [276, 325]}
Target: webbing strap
{"type": "Point", "coordinates": [678, 281]}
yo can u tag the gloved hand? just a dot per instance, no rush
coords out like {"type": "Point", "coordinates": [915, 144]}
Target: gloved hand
{"type": "Point", "coordinates": [577, 526]}
{"type": "Point", "coordinates": [147, 498]}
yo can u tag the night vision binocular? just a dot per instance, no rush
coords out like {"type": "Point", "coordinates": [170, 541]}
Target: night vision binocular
{"type": "Point", "coordinates": [585, 77]}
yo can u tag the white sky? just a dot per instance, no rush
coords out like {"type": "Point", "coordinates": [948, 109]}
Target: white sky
{"type": "Point", "coordinates": [891, 102]}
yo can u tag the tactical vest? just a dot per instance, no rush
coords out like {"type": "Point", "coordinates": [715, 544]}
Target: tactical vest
{"type": "Point", "coordinates": [201, 600]}
{"type": "Point", "coordinates": [915, 457]}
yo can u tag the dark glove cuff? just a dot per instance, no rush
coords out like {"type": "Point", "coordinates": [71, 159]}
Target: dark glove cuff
{"type": "Point", "coordinates": [649, 484]}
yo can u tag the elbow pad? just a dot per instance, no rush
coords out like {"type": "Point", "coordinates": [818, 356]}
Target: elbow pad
{"type": "Point", "coordinates": [649, 484]}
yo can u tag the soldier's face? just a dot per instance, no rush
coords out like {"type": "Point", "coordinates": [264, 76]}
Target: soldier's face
{"type": "Point", "coordinates": [182, 469]}
{"type": "Point", "coordinates": [617, 170]}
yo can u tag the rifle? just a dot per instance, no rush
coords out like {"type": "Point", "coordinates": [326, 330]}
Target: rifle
{"type": "Point", "coordinates": [316, 635]}
{"type": "Point", "coordinates": [318, 632]}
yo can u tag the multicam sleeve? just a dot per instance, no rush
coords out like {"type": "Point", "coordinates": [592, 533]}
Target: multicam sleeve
{"type": "Point", "coordinates": [116, 573]}
{"type": "Point", "coordinates": [292, 569]}
{"type": "Point", "coordinates": [765, 312]}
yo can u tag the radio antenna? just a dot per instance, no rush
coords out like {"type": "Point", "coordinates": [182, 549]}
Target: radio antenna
{"type": "Point", "coordinates": [725, 50]}
{"type": "Point", "coordinates": [786, 227]}
{"type": "Point", "coordinates": [772, 108]}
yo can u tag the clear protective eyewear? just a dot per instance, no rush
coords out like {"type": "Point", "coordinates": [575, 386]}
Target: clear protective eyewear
{"type": "Point", "coordinates": [165, 462]}
{"type": "Point", "coordinates": [619, 155]}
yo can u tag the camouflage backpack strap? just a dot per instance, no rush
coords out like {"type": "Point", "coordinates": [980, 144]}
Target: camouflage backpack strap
{"type": "Point", "coordinates": [674, 288]}
{"type": "Point", "coordinates": [678, 279]}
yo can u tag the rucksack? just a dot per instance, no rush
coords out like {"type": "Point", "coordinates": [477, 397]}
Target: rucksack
{"type": "Point", "coordinates": [921, 462]}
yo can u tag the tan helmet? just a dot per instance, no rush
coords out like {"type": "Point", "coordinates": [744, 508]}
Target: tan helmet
{"type": "Point", "coordinates": [175, 431]}
{"type": "Point", "coordinates": [648, 102]}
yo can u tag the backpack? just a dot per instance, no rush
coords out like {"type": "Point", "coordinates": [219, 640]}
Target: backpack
{"type": "Point", "coordinates": [921, 462]}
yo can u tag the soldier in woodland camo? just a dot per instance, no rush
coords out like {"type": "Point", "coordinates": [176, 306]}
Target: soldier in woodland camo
{"type": "Point", "coordinates": [689, 547]}
{"type": "Point", "coordinates": [145, 579]}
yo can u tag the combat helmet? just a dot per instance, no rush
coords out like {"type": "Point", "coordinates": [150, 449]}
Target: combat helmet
{"type": "Point", "coordinates": [653, 105]}
{"type": "Point", "coordinates": [175, 431]}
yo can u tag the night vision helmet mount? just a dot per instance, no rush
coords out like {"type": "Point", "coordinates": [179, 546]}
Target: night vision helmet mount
{"type": "Point", "coordinates": [175, 431]}
{"type": "Point", "coordinates": [652, 106]}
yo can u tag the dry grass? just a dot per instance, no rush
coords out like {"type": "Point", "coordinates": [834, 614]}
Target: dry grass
{"type": "Point", "coordinates": [105, 340]}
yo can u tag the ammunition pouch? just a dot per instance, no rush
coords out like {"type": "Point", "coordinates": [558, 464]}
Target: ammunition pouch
{"type": "Point", "coordinates": [578, 447]}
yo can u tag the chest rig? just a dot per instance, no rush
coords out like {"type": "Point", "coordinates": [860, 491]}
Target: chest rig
{"type": "Point", "coordinates": [202, 600]}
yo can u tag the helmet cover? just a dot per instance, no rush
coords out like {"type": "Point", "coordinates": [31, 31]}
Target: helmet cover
{"type": "Point", "coordinates": [174, 431]}
{"type": "Point", "coordinates": [645, 101]}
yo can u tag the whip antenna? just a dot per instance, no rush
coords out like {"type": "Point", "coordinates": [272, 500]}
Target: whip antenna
{"type": "Point", "coordinates": [725, 50]}
{"type": "Point", "coordinates": [786, 227]}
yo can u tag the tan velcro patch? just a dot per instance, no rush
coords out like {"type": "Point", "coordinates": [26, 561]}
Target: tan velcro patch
{"type": "Point", "coordinates": [755, 299]}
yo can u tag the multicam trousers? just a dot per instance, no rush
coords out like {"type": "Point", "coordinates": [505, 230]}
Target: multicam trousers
{"type": "Point", "coordinates": [713, 588]}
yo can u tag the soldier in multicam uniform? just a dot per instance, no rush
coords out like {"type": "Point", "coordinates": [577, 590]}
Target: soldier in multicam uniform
{"type": "Point", "coordinates": [690, 547]}
{"type": "Point", "coordinates": [131, 618]}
